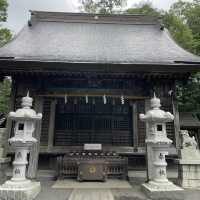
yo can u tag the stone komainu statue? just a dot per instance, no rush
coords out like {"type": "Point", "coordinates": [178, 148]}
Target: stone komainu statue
{"type": "Point", "coordinates": [188, 141]}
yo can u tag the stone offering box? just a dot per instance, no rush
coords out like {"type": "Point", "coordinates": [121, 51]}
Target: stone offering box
{"type": "Point", "coordinates": [92, 170]}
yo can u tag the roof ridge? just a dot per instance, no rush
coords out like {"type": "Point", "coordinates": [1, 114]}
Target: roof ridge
{"type": "Point", "coordinates": [93, 18]}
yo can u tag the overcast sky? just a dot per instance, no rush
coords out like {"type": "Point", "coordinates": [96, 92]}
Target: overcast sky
{"type": "Point", "coordinates": [18, 10]}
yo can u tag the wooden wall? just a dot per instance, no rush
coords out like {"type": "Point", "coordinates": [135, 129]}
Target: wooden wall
{"type": "Point", "coordinates": [142, 89]}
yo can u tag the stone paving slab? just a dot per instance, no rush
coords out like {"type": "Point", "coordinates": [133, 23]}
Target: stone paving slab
{"type": "Point", "coordinates": [134, 193]}
{"type": "Point", "coordinates": [47, 193]}
{"type": "Point", "coordinates": [74, 184]}
{"type": "Point", "coordinates": [91, 194]}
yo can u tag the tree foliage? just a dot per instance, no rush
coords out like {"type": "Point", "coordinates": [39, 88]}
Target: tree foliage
{"type": "Point", "coordinates": [189, 94]}
{"type": "Point", "coordinates": [5, 36]}
{"type": "Point", "coordinates": [145, 8]}
{"type": "Point", "coordinates": [5, 88]}
{"type": "Point", "coordinates": [181, 33]}
{"type": "Point", "coordinates": [3, 10]}
{"type": "Point", "coordinates": [189, 14]}
{"type": "Point", "coordinates": [102, 6]}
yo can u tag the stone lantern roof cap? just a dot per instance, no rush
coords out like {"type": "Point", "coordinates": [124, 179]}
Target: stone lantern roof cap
{"type": "Point", "coordinates": [156, 114]}
{"type": "Point", "coordinates": [26, 112]}
{"type": "Point", "coordinates": [155, 102]}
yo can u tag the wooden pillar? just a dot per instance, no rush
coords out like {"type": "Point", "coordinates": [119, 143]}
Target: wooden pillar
{"type": "Point", "coordinates": [176, 122]}
{"type": "Point", "coordinates": [198, 137]}
{"type": "Point", "coordinates": [51, 125]}
{"type": "Point", "coordinates": [135, 125]}
{"type": "Point", "coordinates": [11, 108]}
{"type": "Point", "coordinates": [34, 154]}
{"type": "Point", "coordinates": [149, 152]}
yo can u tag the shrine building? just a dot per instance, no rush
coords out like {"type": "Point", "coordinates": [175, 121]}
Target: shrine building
{"type": "Point", "coordinates": [90, 75]}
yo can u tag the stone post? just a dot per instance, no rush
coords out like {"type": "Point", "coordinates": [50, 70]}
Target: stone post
{"type": "Point", "coordinates": [20, 188]}
{"type": "Point", "coordinates": [157, 140]}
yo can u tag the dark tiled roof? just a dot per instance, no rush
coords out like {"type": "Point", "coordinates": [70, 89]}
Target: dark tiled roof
{"type": "Point", "coordinates": [91, 38]}
{"type": "Point", "coordinates": [188, 119]}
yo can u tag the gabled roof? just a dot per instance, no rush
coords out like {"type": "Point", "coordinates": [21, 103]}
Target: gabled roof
{"type": "Point", "coordinates": [91, 38]}
{"type": "Point", "coordinates": [189, 119]}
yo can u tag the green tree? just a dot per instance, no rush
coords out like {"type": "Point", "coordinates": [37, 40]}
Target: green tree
{"type": "Point", "coordinates": [189, 92]}
{"type": "Point", "coordinates": [5, 36]}
{"type": "Point", "coordinates": [3, 10]}
{"type": "Point", "coordinates": [189, 13]}
{"type": "Point", "coordinates": [145, 8]}
{"type": "Point", "coordinates": [180, 32]}
{"type": "Point", "coordinates": [5, 88]}
{"type": "Point", "coordinates": [102, 6]}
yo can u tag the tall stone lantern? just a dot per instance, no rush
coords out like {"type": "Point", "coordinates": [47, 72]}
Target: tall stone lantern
{"type": "Point", "coordinates": [19, 187]}
{"type": "Point", "coordinates": [158, 143]}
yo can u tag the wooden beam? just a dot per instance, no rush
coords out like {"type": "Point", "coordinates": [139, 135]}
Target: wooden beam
{"type": "Point", "coordinates": [51, 124]}
{"type": "Point", "coordinates": [34, 154]}
{"type": "Point", "coordinates": [83, 93]}
{"type": "Point", "coordinates": [135, 125]}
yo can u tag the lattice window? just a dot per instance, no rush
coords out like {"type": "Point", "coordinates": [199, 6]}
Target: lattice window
{"type": "Point", "coordinates": [77, 123]}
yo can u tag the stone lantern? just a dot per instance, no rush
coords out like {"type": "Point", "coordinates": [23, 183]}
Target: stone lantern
{"type": "Point", "coordinates": [25, 119]}
{"type": "Point", "coordinates": [158, 143]}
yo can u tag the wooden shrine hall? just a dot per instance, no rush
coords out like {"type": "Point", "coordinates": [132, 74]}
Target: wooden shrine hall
{"type": "Point", "coordinates": [91, 75]}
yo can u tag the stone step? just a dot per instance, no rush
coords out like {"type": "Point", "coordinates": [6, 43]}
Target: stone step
{"type": "Point", "coordinates": [91, 194]}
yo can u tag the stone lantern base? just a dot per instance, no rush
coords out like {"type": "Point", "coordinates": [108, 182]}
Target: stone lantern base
{"type": "Point", "coordinates": [162, 190]}
{"type": "Point", "coordinates": [12, 190]}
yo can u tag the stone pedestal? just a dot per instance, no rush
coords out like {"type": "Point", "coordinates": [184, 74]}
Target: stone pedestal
{"type": "Point", "coordinates": [189, 162]}
{"type": "Point", "coordinates": [162, 191]}
{"type": "Point", "coordinates": [159, 185]}
{"type": "Point", "coordinates": [158, 143]}
{"type": "Point", "coordinates": [189, 174]}
{"type": "Point", "coordinates": [22, 191]}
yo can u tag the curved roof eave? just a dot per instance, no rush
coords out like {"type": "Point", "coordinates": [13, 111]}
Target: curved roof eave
{"type": "Point", "coordinates": [78, 38]}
